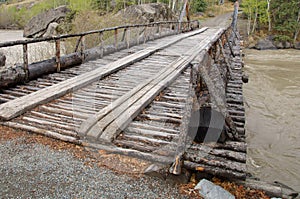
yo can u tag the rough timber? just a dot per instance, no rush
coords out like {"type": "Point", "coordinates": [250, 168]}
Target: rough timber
{"type": "Point", "coordinates": [137, 102]}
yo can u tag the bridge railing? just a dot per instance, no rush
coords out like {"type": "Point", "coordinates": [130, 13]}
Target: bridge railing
{"type": "Point", "coordinates": [107, 40]}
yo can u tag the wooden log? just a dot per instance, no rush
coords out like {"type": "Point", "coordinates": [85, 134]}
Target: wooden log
{"type": "Point", "coordinates": [225, 173]}
{"type": "Point", "coordinates": [272, 190]}
{"type": "Point", "coordinates": [151, 133]}
{"type": "Point", "coordinates": [44, 132]}
{"type": "Point", "coordinates": [140, 125]}
{"type": "Point", "coordinates": [129, 152]}
{"type": "Point", "coordinates": [230, 145]}
{"type": "Point", "coordinates": [134, 145]}
{"type": "Point", "coordinates": [233, 155]}
{"type": "Point", "coordinates": [216, 162]}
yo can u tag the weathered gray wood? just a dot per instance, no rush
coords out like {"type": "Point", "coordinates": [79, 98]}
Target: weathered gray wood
{"type": "Point", "coordinates": [216, 162]}
{"type": "Point", "coordinates": [16, 107]}
{"type": "Point", "coordinates": [151, 133]}
{"type": "Point", "coordinates": [42, 132]}
{"type": "Point", "coordinates": [130, 152]}
{"type": "Point", "coordinates": [226, 173]}
{"type": "Point", "coordinates": [272, 190]}
{"type": "Point", "coordinates": [127, 116]}
{"type": "Point", "coordinates": [135, 145]}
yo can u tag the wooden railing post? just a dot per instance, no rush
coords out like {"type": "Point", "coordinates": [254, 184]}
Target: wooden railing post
{"type": "Point", "coordinates": [124, 34]}
{"type": "Point", "coordinates": [25, 60]}
{"type": "Point", "coordinates": [159, 30]}
{"type": "Point", "coordinates": [145, 34]}
{"type": "Point", "coordinates": [82, 48]}
{"type": "Point", "coordinates": [77, 44]}
{"type": "Point", "coordinates": [57, 54]}
{"type": "Point", "coordinates": [116, 39]}
{"type": "Point", "coordinates": [101, 43]}
{"type": "Point", "coordinates": [128, 38]}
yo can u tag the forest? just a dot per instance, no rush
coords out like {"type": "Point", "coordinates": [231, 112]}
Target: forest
{"type": "Point", "coordinates": [273, 17]}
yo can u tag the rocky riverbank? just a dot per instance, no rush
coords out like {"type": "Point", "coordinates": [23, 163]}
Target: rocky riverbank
{"type": "Point", "coordinates": [270, 43]}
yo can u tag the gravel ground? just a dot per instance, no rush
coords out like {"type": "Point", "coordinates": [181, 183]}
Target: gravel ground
{"type": "Point", "coordinates": [34, 170]}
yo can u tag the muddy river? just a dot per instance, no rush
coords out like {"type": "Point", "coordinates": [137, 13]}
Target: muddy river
{"type": "Point", "coordinates": [273, 115]}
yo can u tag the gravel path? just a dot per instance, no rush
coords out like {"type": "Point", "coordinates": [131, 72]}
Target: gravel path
{"type": "Point", "coordinates": [34, 170]}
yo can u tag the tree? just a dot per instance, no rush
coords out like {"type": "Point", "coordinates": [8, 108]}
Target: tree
{"type": "Point", "coordinates": [285, 16]}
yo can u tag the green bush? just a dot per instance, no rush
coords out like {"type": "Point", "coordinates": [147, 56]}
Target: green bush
{"type": "Point", "coordinates": [199, 5]}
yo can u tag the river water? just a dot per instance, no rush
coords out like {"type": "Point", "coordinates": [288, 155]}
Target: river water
{"type": "Point", "coordinates": [273, 115]}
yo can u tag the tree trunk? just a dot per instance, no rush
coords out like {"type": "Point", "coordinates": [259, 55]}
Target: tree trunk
{"type": "Point", "coordinates": [298, 28]}
{"type": "Point", "coordinates": [268, 13]}
{"type": "Point", "coordinates": [255, 18]}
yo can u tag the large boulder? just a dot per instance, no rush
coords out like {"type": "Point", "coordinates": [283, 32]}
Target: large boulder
{"type": "Point", "coordinates": [209, 190]}
{"type": "Point", "coordinates": [2, 59]}
{"type": "Point", "coordinates": [146, 13]}
{"type": "Point", "coordinates": [39, 24]}
{"type": "Point", "coordinates": [297, 45]}
{"type": "Point", "coordinates": [265, 44]}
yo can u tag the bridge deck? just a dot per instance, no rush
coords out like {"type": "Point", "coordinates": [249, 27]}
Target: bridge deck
{"type": "Point", "coordinates": [132, 102]}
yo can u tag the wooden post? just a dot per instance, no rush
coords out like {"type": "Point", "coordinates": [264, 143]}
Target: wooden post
{"type": "Point", "coordinates": [101, 43]}
{"type": "Point", "coordinates": [128, 38]}
{"type": "Point", "coordinates": [235, 15]}
{"type": "Point", "coordinates": [159, 30]}
{"type": "Point", "coordinates": [124, 34]}
{"type": "Point", "coordinates": [82, 48]}
{"type": "Point", "coordinates": [57, 54]}
{"type": "Point", "coordinates": [77, 44]}
{"type": "Point", "coordinates": [116, 39]}
{"type": "Point", "coordinates": [25, 60]}
{"type": "Point", "coordinates": [145, 34]}
{"type": "Point", "coordinates": [229, 44]}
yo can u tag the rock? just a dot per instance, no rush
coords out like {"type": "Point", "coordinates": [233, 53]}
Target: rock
{"type": "Point", "coordinates": [209, 190]}
{"type": "Point", "coordinates": [146, 13]}
{"type": "Point", "coordinates": [297, 45]}
{"type": "Point", "coordinates": [265, 44]}
{"type": "Point", "coordinates": [2, 59]}
{"type": "Point", "coordinates": [245, 78]}
{"type": "Point", "coordinates": [210, 14]}
{"type": "Point", "coordinates": [39, 24]}
{"type": "Point", "coordinates": [287, 44]}
{"type": "Point", "coordinates": [51, 30]}
{"type": "Point", "coordinates": [278, 45]}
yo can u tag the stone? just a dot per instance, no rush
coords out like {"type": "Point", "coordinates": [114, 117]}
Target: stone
{"type": "Point", "coordinates": [39, 24]}
{"type": "Point", "coordinates": [147, 13]}
{"type": "Point", "coordinates": [265, 44]}
{"type": "Point", "coordinates": [51, 30]}
{"type": "Point", "coordinates": [287, 44]}
{"type": "Point", "coordinates": [209, 190]}
{"type": "Point", "coordinates": [2, 59]}
{"type": "Point", "coordinates": [278, 44]}
{"type": "Point", "coordinates": [297, 45]}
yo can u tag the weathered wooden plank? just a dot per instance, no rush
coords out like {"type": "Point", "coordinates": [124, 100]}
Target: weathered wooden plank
{"type": "Point", "coordinates": [18, 106]}
{"type": "Point", "coordinates": [127, 116]}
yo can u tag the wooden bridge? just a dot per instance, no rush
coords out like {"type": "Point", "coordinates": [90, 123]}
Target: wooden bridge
{"type": "Point", "coordinates": [140, 98]}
